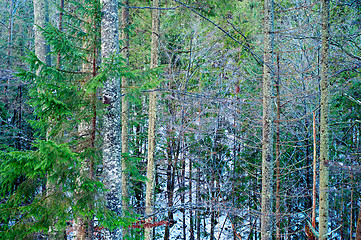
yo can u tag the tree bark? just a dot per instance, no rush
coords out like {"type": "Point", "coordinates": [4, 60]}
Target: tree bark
{"type": "Point", "coordinates": [41, 18]}
{"type": "Point", "coordinates": [351, 208]}
{"type": "Point", "coordinates": [125, 106]}
{"type": "Point", "coordinates": [278, 154]}
{"type": "Point", "coordinates": [182, 185]}
{"type": "Point", "coordinates": [314, 172]}
{"type": "Point", "coordinates": [84, 226]}
{"type": "Point", "coordinates": [42, 49]}
{"type": "Point", "coordinates": [173, 151]}
{"type": "Point", "coordinates": [267, 138]}
{"type": "Point", "coordinates": [191, 228]}
{"type": "Point", "coordinates": [358, 227]}
{"type": "Point", "coordinates": [149, 198]}
{"type": "Point", "coordinates": [198, 201]}
{"type": "Point", "coordinates": [111, 124]}
{"type": "Point", "coordinates": [60, 27]}
{"type": "Point", "coordinates": [324, 123]}
{"type": "Point", "coordinates": [11, 25]}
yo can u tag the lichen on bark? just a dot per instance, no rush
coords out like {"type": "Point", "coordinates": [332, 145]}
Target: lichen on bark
{"type": "Point", "coordinates": [267, 122]}
{"type": "Point", "coordinates": [112, 115]}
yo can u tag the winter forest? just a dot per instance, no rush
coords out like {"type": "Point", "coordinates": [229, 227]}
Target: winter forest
{"type": "Point", "coordinates": [180, 119]}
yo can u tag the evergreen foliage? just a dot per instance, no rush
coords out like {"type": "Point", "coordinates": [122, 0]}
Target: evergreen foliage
{"type": "Point", "coordinates": [50, 183]}
{"type": "Point", "coordinates": [208, 130]}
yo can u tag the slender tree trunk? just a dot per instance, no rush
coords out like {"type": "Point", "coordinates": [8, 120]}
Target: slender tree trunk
{"type": "Point", "coordinates": [314, 173]}
{"type": "Point", "coordinates": [351, 208]}
{"type": "Point", "coordinates": [308, 158]}
{"type": "Point", "coordinates": [60, 27]}
{"type": "Point", "coordinates": [138, 185]}
{"type": "Point", "coordinates": [358, 227]}
{"type": "Point", "coordinates": [138, 191]}
{"type": "Point", "coordinates": [213, 220]}
{"type": "Point", "coordinates": [198, 201]}
{"type": "Point", "coordinates": [214, 158]}
{"type": "Point", "coordinates": [171, 154]}
{"type": "Point", "coordinates": [324, 123]}
{"type": "Point", "coordinates": [19, 142]}
{"type": "Point", "coordinates": [267, 139]}
{"type": "Point", "coordinates": [342, 212]}
{"type": "Point", "coordinates": [278, 154]}
{"type": "Point", "coordinates": [125, 161]}
{"type": "Point", "coordinates": [235, 165]}
{"type": "Point", "coordinates": [191, 228]}
{"type": "Point", "coordinates": [198, 181]}
{"type": "Point", "coordinates": [149, 199]}
{"type": "Point", "coordinates": [111, 124]}
{"type": "Point", "coordinates": [182, 184]}
{"type": "Point", "coordinates": [10, 29]}
{"type": "Point", "coordinates": [191, 220]}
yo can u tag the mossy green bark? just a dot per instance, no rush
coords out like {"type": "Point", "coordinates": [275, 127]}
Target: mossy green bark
{"type": "Point", "coordinates": [267, 125]}
{"type": "Point", "coordinates": [324, 122]}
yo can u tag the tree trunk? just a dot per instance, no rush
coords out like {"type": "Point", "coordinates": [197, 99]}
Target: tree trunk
{"type": "Point", "coordinates": [84, 226]}
{"type": "Point", "coordinates": [198, 201]}
{"type": "Point", "coordinates": [213, 220]}
{"type": "Point", "coordinates": [149, 198]}
{"type": "Point", "coordinates": [191, 228]}
{"type": "Point", "coordinates": [351, 208]}
{"type": "Point", "coordinates": [324, 123]}
{"type": "Point", "coordinates": [358, 227]}
{"type": "Point", "coordinates": [41, 18]}
{"type": "Point", "coordinates": [125, 175]}
{"type": "Point", "coordinates": [173, 155]}
{"type": "Point", "coordinates": [278, 154]}
{"type": "Point", "coordinates": [11, 25]}
{"type": "Point", "coordinates": [182, 185]}
{"type": "Point", "coordinates": [314, 173]}
{"type": "Point", "coordinates": [60, 27]}
{"type": "Point", "coordinates": [169, 186]}
{"type": "Point", "coordinates": [232, 217]}
{"type": "Point", "coordinates": [111, 124]}
{"type": "Point", "coordinates": [267, 138]}
{"type": "Point", "coordinates": [138, 185]}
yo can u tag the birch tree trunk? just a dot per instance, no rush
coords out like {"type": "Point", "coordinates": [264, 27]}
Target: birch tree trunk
{"type": "Point", "coordinates": [111, 124]}
{"type": "Point", "coordinates": [267, 137]}
{"type": "Point", "coordinates": [324, 123]}
{"type": "Point", "coordinates": [149, 198]}
{"type": "Point", "coordinates": [125, 175]}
